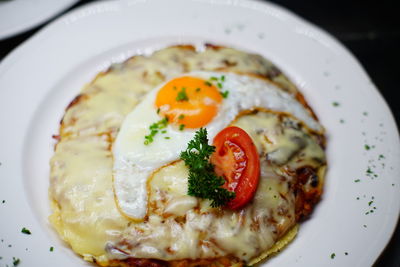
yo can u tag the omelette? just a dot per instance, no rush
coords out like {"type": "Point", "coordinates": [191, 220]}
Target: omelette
{"type": "Point", "coordinates": [124, 193]}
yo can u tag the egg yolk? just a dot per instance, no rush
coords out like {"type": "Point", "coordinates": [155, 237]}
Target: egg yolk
{"type": "Point", "coordinates": [188, 101]}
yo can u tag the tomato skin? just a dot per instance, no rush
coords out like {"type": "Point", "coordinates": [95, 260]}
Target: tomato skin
{"type": "Point", "coordinates": [236, 160]}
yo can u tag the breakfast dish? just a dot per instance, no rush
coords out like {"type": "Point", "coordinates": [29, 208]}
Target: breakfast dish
{"type": "Point", "coordinates": [362, 148]}
{"type": "Point", "coordinates": [124, 186]}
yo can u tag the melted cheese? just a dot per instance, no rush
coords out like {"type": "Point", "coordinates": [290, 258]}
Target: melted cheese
{"type": "Point", "coordinates": [81, 185]}
{"type": "Point", "coordinates": [85, 213]}
{"type": "Point", "coordinates": [180, 226]}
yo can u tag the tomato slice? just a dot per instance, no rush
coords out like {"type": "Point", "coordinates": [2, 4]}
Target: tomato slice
{"type": "Point", "coordinates": [237, 161]}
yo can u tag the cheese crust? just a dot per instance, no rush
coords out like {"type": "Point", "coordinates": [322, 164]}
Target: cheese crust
{"type": "Point", "coordinates": [180, 230]}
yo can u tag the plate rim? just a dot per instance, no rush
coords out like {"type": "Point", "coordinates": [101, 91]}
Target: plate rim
{"type": "Point", "coordinates": [38, 21]}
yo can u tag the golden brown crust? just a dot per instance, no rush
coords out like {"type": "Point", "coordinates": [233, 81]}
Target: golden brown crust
{"type": "Point", "coordinates": [215, 262]}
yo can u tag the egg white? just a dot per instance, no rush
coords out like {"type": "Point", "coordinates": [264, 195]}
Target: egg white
{"type": "Point", "coordinates": [134, 161]}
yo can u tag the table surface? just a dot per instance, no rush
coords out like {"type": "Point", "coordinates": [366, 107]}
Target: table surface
{"type": "Point", "coordinates": [369, 29]}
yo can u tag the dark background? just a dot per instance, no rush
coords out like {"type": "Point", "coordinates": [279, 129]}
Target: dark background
{"type": "Point", "coordinates": [369, 29]}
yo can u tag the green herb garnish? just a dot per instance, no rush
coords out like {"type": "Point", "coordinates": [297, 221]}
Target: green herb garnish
{"type": "Point", "coordinates": [181, 127]}
{"type": "Point", "coordinates": [208, 83]}
{"type": "Point", "coordinates": [26, 231]}
{"type": "Point", "coordinates": [154, 129]}
{"type": "Point", "coordinates": [203, 182]}
{"type": "Point", "coordinates": [16, 261]}
{"type": "Point", "coordinates": [182, 96]}
{"type": "Point", "coordinates": [335, 104]}
{"type": "Point", "coordinates": [224, 94]}
{"type": "Point", "coordinates": [219, 83]}
{"type": "Point", "coordinates": [51, 249]}
{"type": "Point", "coordinates": [333, 255]}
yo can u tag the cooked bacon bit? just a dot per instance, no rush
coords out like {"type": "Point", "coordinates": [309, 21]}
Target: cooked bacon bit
{"type": "Point", "coordinates": [229, 63]}
{"type": "Point", "coordinates": [306, 196]}
{"type": "Point", "coordinates": [255, 225]}
{"type": "Point", "coordinates": [56, 137]}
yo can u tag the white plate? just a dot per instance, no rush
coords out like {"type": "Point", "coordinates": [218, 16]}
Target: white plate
{"type": "Point", "coordinates": [17, 16]}
{"type": "Point", "coordinates": [41, 76]}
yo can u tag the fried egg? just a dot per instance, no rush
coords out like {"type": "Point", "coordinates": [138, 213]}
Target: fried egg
{"type": "Point", "coordinates": [155, 132]}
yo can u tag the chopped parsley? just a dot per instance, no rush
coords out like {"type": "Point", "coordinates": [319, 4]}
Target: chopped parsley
{"type": "Point", "coordinates": [333, 255]}
{"type": "Point", "coordinates": [219, 83]}
{"type": "Point", "coordinates": [26, 231]}
{"type": "Point", "coordinates": [51, 249]}
{"type": "Point", "coordinates": [203, 182]}
{"type": "Point", "coordinates": [181, 127]}
{"type": "Point", "coordinates": [367, 147]}
{"type": "Point", "coordinates": [182, 96]}
{"type": "Point", "coordinates": [198, 89]}
{"type": "Point", "coordinates": [335, 104]}
{"type": "Point", "coordinates": [370, 173]}
{"type": "Point", "coordinates": [224, 94]}
{"type": "Point", "coordinates": [154, 129]}
{"type": "Point", "coordinates": [16, 261]}
{"type": "Point", "coordinates": [181, 117]}
{"type": "Point", "coordinates": [3, 201]}
{"type": "Point", "coordinates": [357, 180]}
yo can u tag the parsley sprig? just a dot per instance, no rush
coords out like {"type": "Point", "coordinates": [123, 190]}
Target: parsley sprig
{"type": "Point", "coordinates": [203, 182]}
